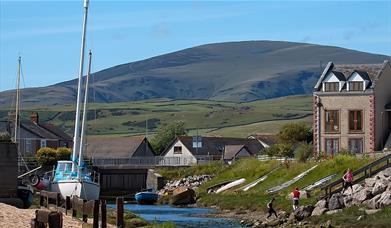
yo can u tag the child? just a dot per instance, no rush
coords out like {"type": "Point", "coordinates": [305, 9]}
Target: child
{"type": "Point", "coordinates": [295, 198]}
{"type": "Point", "coordinates": [347, 180]}
{"type": "Point", "coordinates": [270, 209]}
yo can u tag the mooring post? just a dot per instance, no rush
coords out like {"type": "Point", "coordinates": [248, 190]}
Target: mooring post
{"type": "Point", "coordinates": [95, 213]}
{"type": "Point", "coordinates": [85, 216]}
{"type": "Point", "coordinates": [67, 204]}
{"type": "Point", "coordinates": [103, 214]}
{"type": "Point", "coordinates": [120, 212]}
{"type": "Point", "coordinates": [40, 199]}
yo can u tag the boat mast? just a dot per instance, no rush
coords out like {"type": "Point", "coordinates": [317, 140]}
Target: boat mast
{"type": "Point", "coordinates": [17, 102]}
{"type": "Point", "coordinates": [83, 123]}
{"type": "Point", "coordinates": [76, 134]}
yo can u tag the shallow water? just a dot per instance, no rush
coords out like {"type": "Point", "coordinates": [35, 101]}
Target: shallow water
{"type": "Point", "coordinates": [180, 216]}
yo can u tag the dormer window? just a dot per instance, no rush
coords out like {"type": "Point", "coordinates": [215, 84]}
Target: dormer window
{"type": "Point", "coordinates": [333, 82]}
{"type": "Point", "coordinates": [356, 86]}
{"type": "Point", "coordinates": [331, 86]}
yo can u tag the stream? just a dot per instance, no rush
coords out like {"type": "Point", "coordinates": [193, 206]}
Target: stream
{"type": "Point", "coordinates": [180, 216]}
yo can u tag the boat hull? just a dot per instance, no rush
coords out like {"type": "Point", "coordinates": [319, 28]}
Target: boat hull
{"type": "Point", "coordinates": [83, 189]}
{"type": "Point", "coordinates": [183, 196]}
{"type": "Point", "coordinates": [146, 197]}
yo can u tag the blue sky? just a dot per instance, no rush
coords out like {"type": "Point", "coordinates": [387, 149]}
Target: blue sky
{"type": "Point", "coordinates": [47, 34]}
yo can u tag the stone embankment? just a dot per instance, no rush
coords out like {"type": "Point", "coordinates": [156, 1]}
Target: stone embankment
{"type": "Point", "coordinates": [373, 193]}
{"type": "Point", "coordinates": [191, 181]}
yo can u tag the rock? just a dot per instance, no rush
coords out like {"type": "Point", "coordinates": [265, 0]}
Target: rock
{"type": "Point", "coordinates": [363, 194]}
{"type": "Point", "coordinates": [379, 188]}
{"type": "Point", "coordinates": [372, 203]}
{"type": "Point", "coordinates": [318, 211]}
{"type": "Point", "coordinates": [371, 211]}
{"type": "Point", "coordinates": [370, 182]}
{"type": "Point", "coordinates": [303, 212]}
{"type": "Point", "coordinates": [274, 222]}
{"type": "Point", "coordinates": [384, 200]}
{"type": "Point", "coordinates": [333, 211]}
{"type": "Point", "coordinates": [386, 172]}
{"type": "Point", "coordinates": [321, 203]}
{"type": "Point", "coordinates": [336, 201]}
{"type": "Point", "coordinates": [328, 224]}
{"type": "Point", "coordinates": [348, 201]}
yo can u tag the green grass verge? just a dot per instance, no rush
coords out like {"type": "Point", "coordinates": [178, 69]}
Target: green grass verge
{"type": "Point", "coordinates": [349, 218]}
{"type": "Point", "coordinates": [250, 169]}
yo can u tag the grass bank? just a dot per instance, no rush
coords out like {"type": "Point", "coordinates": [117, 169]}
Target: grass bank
{"type": "Point", "coordinates": [256, 198]}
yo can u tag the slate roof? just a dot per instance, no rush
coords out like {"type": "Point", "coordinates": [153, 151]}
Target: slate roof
{"type": "Point", "coordinates": [369, 72]}
{"type": "Point", "coordinates": [110, 147]}
{"type": "Point", "coordinates": [388, 105]}
{"type": "Point", "coordinates": [339, 75]}
{"type": "Point", "coordinates": [4, 126]}
{"type": "Point", "coordinates": [232, 150]}
{"type": "Point", "coordinates": [37, 130]}
{"type": "Point", "coordinates": [216, 145]}
{"type": "Point", "coordinates": [267, 139]}
{"type": "Point", "coordinates": [55, 130]}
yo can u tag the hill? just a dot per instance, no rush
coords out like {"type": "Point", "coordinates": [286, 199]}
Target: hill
{"type": "Point", "coordinates": [206, 117]}
{"type": "Point", "coordinates": [232, 71]}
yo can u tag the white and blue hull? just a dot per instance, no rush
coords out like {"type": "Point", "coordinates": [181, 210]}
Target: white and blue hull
{"type": "Point", "coordinates": [83, 189]}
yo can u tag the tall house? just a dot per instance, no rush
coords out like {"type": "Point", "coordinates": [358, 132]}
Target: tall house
{"type": "Point", "coordinates": [352, 109]}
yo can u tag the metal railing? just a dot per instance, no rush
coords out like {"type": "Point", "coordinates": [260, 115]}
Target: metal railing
{"type": "Point", "coordinates": [268, 158]}
{"type": "Point", "coordinates": [362, 173]}
{"type": "Point", "coordinates": [152, 161]}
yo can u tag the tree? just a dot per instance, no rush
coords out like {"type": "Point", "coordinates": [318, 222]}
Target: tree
{"type": "Point", "coordinates": [5, 136]}
{"type": "Point", "coordinates": [280, 150]}
{"type": "Point", "coordinates": [46, 156]}
{"type": "Point", "coordinates": [63, 153]}
{"type": "Point", "coordinates": [165, 134]}
{"type": "Point", "coordinates": [293, 133]}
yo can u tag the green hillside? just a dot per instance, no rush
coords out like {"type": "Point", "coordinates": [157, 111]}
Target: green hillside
{"type": "Point", "coordinates": [206, 117]}
{"type": "Point", "coordinates": [231, 71]}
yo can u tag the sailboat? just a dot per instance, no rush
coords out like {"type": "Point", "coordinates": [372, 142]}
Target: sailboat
{"type": "Point", "coordinates": [71, 178]}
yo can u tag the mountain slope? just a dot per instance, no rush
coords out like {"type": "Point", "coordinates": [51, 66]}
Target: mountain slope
{"type": "Point", "coordinates": [234, 71]}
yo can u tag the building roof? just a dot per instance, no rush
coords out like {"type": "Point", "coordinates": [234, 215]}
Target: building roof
{"type": "Point", "coordinates": [216, 145]}
{"type": "Point", "coordinates": [109, 147]}
{"type": "Point", "coordinates": [339, 75]}
{"type": "Point", "coordinates": [231, 151]}
{"type": "Point", "coordinates": [267, 139]}
{"type": "Point", "coordinates": [56, 130]}
{"type": "Point", "coordinates": [370, 72]}
{"type": "Point", "coordinates": [4, 126]}
{"type": "Point", "coordinates": [388, 106]}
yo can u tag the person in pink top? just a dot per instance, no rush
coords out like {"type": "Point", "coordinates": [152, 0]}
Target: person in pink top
{"type": "Point", "coordinates": [347, 180]}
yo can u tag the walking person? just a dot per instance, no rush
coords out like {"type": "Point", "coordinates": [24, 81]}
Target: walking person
{"type": "Point", "coordinates": [270, 208]}
{"type": "Point", "coordinates": [347, 180]}
{"type": "Point", "coordinates": [295, 198]}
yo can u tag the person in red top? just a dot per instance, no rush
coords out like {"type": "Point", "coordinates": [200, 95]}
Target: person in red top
{"type": "Point", "coordinates": [347, 180]}
{"type": "Point", "coordinates": [295, 198]}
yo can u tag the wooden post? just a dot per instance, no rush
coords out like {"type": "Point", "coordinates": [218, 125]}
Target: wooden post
{"type": "Point", "coordinates": [95, 223]}
{"type": "Point", "coordinates": [85, 216]}
{"type": "Point", "coordinates": [40, 200]}
{"type": "Point", "coordinates": [120, 212]}
{"type": "Point", "coordinates": [67, 204]}
{"type": "Point", "coordinates": [103, 214]}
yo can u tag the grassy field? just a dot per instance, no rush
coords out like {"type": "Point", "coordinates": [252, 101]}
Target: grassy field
{"type": "Point", "coordinates": [251, 169]}
{"type": "Point", "coordinates": [206, 117]}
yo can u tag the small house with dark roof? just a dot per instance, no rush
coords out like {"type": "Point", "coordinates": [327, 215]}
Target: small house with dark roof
{"type": "Point", "coordinates": [350, 108]}
{"type": "Point", "coordinates": [118, 147]}
{"type": "Point", "coordinates": [234, 152]}
{"type": "Point", "coordinates": [196, 148]}
{"type": "Point", "coordinates": [265, 140]}
{"type": "Point", "coordinates": [33, 135]}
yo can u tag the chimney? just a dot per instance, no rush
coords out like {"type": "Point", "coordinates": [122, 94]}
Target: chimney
{"type": "Point", "coordinates": [34, 117]}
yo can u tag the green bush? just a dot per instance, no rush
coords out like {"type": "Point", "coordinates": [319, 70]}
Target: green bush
{"type": "Point", "coordinates": [293, 132]}
{"type": "Point", "coordinates": [303, 152]}
{"type": "Point", "coordinates": [63, 153]}
{"type": "Point", "coordinates": [280, 150]}
{"type": "Point", "coordinates": [46, 156]}
{"type": "Point", "coordinates": [165, 134]}
{"type": "Point", "coordinates": [5, 136]}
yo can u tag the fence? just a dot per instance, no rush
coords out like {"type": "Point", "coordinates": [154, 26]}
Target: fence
{"type": "Point", "coordinates": [152, 161]}
{"type": "Point", "coordinates": [359, 174]}
{"type": "Point", "coordinates": [268, 158]}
